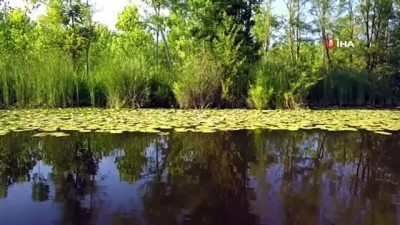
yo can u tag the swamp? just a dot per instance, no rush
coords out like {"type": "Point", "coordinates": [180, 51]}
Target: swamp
{"type": "Point", "coordinates": [217, 167]}
{"type": "Point", "coordinates": [199, 112]}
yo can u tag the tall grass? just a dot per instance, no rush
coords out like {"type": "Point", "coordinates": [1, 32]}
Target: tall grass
{"type": "Point", "coordinates": [290, 80]}
{"type": "Point", "coordinates": [272, 76]}
{"type": "Point", "coordinates": [124, 81]}
{"type": "Point", "coordinates": [348, 87]}
{"type": "Point", "coordinates": [4, 83]}
{"type": "Point", "coordinates": [48, 79]}
{"type": "Point", "coordinates": [289, 86]}
{"type": "Point", "coordinates": [199, 83]}
{"type": "Point", "coordinates": [43, 80]}
{"type": "Point", "coordinates": [259, 96]}
{"type": "Point", "coordinates": [342, 87]}
{"type": "Point", "coordinates": [260, 93]}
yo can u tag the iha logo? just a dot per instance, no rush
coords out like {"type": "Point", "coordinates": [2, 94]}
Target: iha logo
{"type": "Point", "coordinates": [336, 43]}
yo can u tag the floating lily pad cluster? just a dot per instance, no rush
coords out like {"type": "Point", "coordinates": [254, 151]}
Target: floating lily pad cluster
{"type": "Point", "coordinates": [56, 122]}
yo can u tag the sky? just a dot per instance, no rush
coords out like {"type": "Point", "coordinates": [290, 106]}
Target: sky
{"type": "Point", "coordinates": [106, 11]}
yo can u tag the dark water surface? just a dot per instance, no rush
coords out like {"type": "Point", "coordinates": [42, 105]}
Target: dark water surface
{"type": "Point", "coordinates": [231, 178]}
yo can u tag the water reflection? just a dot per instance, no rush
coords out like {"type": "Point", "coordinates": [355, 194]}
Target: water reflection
{"type": "Point", "coordinates": [242, 177]}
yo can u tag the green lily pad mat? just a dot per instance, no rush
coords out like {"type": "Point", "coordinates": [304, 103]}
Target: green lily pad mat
{"type": "Point", "coordinates": [54, 121]}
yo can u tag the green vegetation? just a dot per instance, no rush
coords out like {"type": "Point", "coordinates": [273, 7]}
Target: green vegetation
{"type": "Point", "coordinates": [53, 122]}
{"type": "Point", "coordinates": [201, 54]}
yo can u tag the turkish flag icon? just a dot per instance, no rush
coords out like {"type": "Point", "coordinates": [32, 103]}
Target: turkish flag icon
{"type": "Point", "coordinates": [330, 43]}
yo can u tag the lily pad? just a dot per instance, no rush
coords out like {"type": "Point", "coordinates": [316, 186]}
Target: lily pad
{"type": "Point", "coordinates": [53, 134]}
{"type": "Point", "coordinates": [159, 120]}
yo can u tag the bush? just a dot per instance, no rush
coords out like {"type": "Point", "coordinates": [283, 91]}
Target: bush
{"type": "Point", "coordinates": [199, 82]}
{"type": "Point", "coordinates": [259, 96]}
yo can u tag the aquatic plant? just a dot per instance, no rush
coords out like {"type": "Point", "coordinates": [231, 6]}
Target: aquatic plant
{"type": "Point", "coordinates": [59, 122]}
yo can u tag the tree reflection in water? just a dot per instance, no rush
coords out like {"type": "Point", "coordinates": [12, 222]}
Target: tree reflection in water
{"type": "Point", "coordinates": [241, 177]}
{"type": "Point", "coordinates": [204, 181]}
{"type": "Point", "coordinates": [325, 178]}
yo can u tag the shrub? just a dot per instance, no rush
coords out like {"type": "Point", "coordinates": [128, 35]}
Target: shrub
{"type": "Point", "coordinates": [259, 96]}
{"type": "Point", "coordinates": [199, 82]}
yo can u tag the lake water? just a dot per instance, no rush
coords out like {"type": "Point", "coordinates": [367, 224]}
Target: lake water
{"type": "Point", "coordinates": [229, 178]}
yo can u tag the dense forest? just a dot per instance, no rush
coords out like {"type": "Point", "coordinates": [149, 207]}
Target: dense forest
{"type": "Point", "coordinates": [201, 54]}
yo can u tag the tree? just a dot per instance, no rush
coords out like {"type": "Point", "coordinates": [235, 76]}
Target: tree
{"type": "Point", "coordinates": [376, 16]}
{"type": "Point", "coordinates": [205, 21]}
{"type": "Point", "coordinates": [265, 23]}
{"type": "Point", "coordinates": [322, 10]}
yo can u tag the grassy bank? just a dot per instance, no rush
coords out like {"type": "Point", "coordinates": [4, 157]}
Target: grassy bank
{"type": "Point", "coordinates": [200, 55]}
